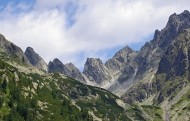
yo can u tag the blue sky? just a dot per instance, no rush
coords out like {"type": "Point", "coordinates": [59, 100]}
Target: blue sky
{"type": "Point", "coordinates": [73, 30]}
{"type": "Point", "coordinates": [4, 3]}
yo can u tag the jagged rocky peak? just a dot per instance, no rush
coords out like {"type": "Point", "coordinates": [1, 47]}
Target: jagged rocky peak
{"type": "Point", "coordinates": [94, 61]}
{"type": "Point", "coordinates": [75, 72]}
{"type": "Point", "coordinates": [144, 63]}
{"type": "Point", "coordinates": [164, 58]}
{"type": "Point", "coordinates": [156, 34]}
{"type": "Point", "coordinates": [179, 17]}
{"type": "Point", "coordinates": [69, 69]}
{"type": "Point", "coordinates": [70, 66]}
{"type": "Point", "coordinates": [175, 61]}
{"type": "Point", "coordinates": [175, 24]}
{"type": "Point", "coordinates": [56, 66]}
{"type": "Point", "coordinates": [11, 49]}
{"type": "Point", "coordinates": [178, 22]}
{"type": "Point", "coordinates": [123, 53]}
{"type": "Point", "coordinates": [95, 71]}
{"type": "Point", "coordinates": [35, 59]}
{"type": "Point", "coordinates": [173, 70]}
{"type": "Point", "coordinates": [123, 56]}
{"type": "Point", "coordinates": [151, 53]}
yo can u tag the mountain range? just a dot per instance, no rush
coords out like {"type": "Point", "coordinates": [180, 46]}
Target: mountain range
{"type": "Point", "coordinates": [149, 84]}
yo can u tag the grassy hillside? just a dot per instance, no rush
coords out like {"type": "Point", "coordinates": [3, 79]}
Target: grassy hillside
{"type": "Point", "coordinates": [37, 96]}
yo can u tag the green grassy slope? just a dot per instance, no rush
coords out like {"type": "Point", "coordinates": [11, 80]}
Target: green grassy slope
{"type": "Point", "coordinates": [31, 96]}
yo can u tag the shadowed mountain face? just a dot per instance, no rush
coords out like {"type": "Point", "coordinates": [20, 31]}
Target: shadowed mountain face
{"type": "Point", "coordinates": [95, 71]}
{"type": "Point", "coordinates": [12, 50]}
{"type": "Point", "coordinates": [128, 67]}
{"type": "Point", "coordinates": [74, 72]}
{"type": "Point", "coordinates": [173, 64]}
{"type": "Point", "coordinates": [168, 55]}
{"type": "Point", "coordinates": [69, 69]}
{"type": "Point", "coordinates": [35, 59]}
{"type": "Point", "coordinates": [120, 59]}
{"type": "Point", "coordinates": [151, 53]}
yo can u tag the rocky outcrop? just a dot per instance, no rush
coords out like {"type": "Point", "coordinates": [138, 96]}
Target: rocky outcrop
{"type": "Point", "coordinates": [35, 59]}
{"type": "Point", "coordinates": [175, 61]}
{"type": "Point", "coordinates": [150, 54]}
{"type": "Point", "coordinates": [127, 67]}
{"type": "Point", "coordinates": [69, 69]}
{"type": "Point", "coordinates": [122, 64]}
{"type": "Point", "coordinates": [174, 67]}
{"type": "Point", "coordinates": [171, 76]}
{"type": "Point", "coordinates": [120, 59]}
{"type": "Point", "coordinates": [96, 72]}
{"type": "Point", "coordinates": [116, 71]}
{"type": "Point", "coordinates": [12, 50]}
{"type": "Point", "coordinates": [57, 66]}
{"type": "Point", "coordinates": [74, 72]}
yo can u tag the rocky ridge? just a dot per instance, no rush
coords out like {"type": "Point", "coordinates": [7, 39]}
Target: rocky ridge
{"type": "Point", "coordinates": [35, 59]}
{"type": "Point", "coordinates": [128, 67]}
{"type": "Point", "coordinates": [11, 50]}
{"type": "Point", "coordinates": [170, 86]}
{"type": "Point", "coordinates": [150, 54]}
{"type": "Point", "coordinates": [75, 72]}
{"type": "Point", "coordinates": [96, 72]}
{"type": "Point", "coordinates": [151, 60]}
{"type": "Point", "coordinates": [69, 69]}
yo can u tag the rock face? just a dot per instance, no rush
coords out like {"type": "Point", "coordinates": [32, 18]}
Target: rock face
{"type": "Point", "coordinates": [127, 67]}
{"type": "Point", "coordinates": [174, 66]}
{"type": "Point", "coordinates": [57, 66]}
{"type": "Point", "coordinates": [122, 65]}
{"type": "Point", "coordinates": [175, 61]}
{"type": "Point", "coordinates": [12, 50]}
{"type": "Point", "coordinates": [35, 59]}
{"type": "Point", "coordinates": [148, 58]}
{"type": "Point", "coordinates": [172, 75]}
{"type": "Point", "coordinates": [151, 53]}
{"type": "Point", "coordinates": [167, 55]}
{"type": "Point", "coordinates": [95, 71]}
{"type": "Point", "coordinates": [69, 69]}
{"type": "Point", "coordinates": [112, 70]}
{"type": "Point", "coordinates": [120, 59]}
{"type": "Point", "coordinates": [74, 72]}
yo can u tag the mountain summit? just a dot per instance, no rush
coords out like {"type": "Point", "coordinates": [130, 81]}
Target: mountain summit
{"type": "Point", "coordinates": [127, 67]}
{"type": "Point", "coordinates": [12, 50]}
{"type": "Point", "coordinates": [35, 59]}
{"type": "Point", "coordinates": [95, 71]}
{"type": "Point", "coordinates": [69, 69]}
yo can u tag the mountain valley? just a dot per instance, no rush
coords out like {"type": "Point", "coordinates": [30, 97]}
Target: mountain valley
{"type": "Point", "coordinates": [152, 84]}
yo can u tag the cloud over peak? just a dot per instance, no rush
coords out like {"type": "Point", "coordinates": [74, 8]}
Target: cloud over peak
{"type": "Point", "coordinates": [73, 30]}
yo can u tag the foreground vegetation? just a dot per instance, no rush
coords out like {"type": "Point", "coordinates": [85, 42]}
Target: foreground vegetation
{"type": "Point", "coordinates": [31, 96]}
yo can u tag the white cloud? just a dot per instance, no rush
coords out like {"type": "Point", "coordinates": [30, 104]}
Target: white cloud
{"type": "Point", "coordinates": [98, 25]}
